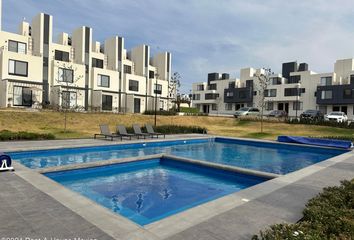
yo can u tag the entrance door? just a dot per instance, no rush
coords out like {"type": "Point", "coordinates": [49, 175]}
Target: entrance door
{"type": "Point", "coordinates": [281, 106]}
{"type": "Point", "coordinates": [136, 105]}
{"type": "Point", "coordinates": [344, 109]}
{"type": "Point", "coordinates": [205, 108]}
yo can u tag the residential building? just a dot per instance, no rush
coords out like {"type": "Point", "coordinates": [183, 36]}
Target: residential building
{"type": "Point", "coordinates": [295, 90]}
{"type": "Point", "coordinates": [77, 72]}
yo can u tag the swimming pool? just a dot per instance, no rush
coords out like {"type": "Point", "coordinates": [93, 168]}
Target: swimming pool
{"type": "Point", "coordinates": [147, 191]}
{"type": "Point", "coordinates": [255, 155]}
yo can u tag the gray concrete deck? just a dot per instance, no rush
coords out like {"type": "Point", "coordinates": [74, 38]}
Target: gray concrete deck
{"type": "Point", "coordinates": [34, 206]}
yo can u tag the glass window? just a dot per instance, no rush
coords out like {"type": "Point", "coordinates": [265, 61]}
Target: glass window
{"type": "Point", "coordinates": [232, 85]}
{"type": "Point", "coordinates": [326, 81]}
{"type": "Point", "coordinates": [151, 74]}
{"type": "Point", "coordinates": [229, 94]}
{"type": "Point", "coordinates": [228, 106]}
{"type": "Point", "coordinates": [97, 63]}
{"type": "Point", "coordinates": [18, 68]}
{"type": "Point", "coordinates": [269, 106]}
{"type": "Point", "coordinates": [127, 69]}
{"type": "Point", "coordinates": [22, 96]}
{"type": "Point", "coordinates": [211, 96]}
{"type": "Point", "coordinates": [69, 99]}
{"type": "Point", "coordinates": [196, 96]}
{"type": "Point", "coordinates": [348, 93]}
{"type": "Point", "coordinates": [294, 79]}
{"type": "Point", "coordinates": [212, 86]}
{"type": "Point", "coordinates": [107, 102]}
{"type": "Point", "coordinates": [158, 89]}
{"type": "Point", "coordinates": [134, 85]}
{"type": "Point", "coordinates": [270, 93]}
{"type": "Point", "coordinates": [66, 75]}
{"type": "Point", "coordinates": [18, 47]}
{"type": "Point", "coordinates": [293, 91]}
{"type": "Point", "coordinates": [326, 94]}
{"type": "Point", "coordinates": [214, 107]}
{"type": "Point", "coordinates": [200, 87]}
{"type": "Point", "coordinates": [276, 81]}
{"type": "Point", "coordinates": [103, 81]}
{"type": "Point", "coordinates": [61, 56]}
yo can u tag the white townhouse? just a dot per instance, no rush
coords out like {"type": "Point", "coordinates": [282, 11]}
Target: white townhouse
{"type": "Point", "coordinates": [295, 90]}
{"type": "Point", "coordinates": [75, 71]}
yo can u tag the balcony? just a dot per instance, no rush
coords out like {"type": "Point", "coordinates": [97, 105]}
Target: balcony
{"type": "Point", "coordinates": [238, 95]}
{"type": "Point", "coordinates": [335, 94]}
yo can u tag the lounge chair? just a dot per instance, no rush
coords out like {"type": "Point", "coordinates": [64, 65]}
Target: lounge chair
{"type": "Point", "coordinates": [152, 132]}
{"type": "Point", "coordinates": [139, 133]}
{"type": "Point", "coordinates": [122, 131]}
{"type": "Point", "coordinates": [5, 162]}
{"type": "Point", "coordinates": [106, 133]}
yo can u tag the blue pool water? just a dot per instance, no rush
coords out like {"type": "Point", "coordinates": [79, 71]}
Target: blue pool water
{"type": "Point", "coordinates": [261, 156]}
{"type": "Point", "coordinates": [147, 191]}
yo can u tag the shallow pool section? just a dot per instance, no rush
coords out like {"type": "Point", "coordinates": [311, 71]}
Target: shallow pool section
{"type": "Point", "coordinates": [256, 155]}
{"type": "Point", "coordinates": [150, 190]}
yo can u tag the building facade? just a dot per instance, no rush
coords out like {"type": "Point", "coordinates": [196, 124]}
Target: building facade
{"type": "Point", "coordinates": [76, 72]}
{"type": "Point", "coordinates": [295, 90]}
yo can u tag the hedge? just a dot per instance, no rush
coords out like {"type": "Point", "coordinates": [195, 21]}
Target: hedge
{"type": "Point", "coordinates": [189, 110]}
{"type": "Point", "coordinates": [164, 113]}
{"type": "Point", "coordinates": [174, 129]}
{"type": "Point", "coordinates": [6, 135]}
{"type": "Point", "coordinates": [322, 123]}
{"type": "Point", "coordinates": [330, 215]}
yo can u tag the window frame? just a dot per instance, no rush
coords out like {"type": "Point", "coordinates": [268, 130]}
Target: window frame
{"type": "Point", "coordinates": [17, 48]}
{"type": "Point", "coordinates": [65, 70]}
{"type": "Point", "coordinates": [132, 87]}
{"type": "Point", "coordinates": [99, 81]}
{"type": "Point", "coordinates": [110, 108]}
{"type": "Point", "coordinates": [14, 73]}
{"type": "Point", "coordinates": [157, 88]}
{"type": "Point", "coordinates": [323, 95]}
{"type": "Point", "coordinates": [22, 105]}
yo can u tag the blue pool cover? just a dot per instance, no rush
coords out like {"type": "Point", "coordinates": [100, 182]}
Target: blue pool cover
{"type": "Point", "coordinates": [149, 190]}
{"type": "Point", "coordinates": [316, 141]}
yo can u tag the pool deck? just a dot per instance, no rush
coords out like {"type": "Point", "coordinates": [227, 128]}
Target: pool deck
{"type": "Point", "coordinates": [33, 206]}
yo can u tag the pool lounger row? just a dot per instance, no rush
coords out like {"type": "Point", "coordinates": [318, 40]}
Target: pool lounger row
{"type": "Point", "coordinates": [122, 132]}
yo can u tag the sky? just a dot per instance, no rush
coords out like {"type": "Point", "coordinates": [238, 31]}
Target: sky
{"type": "Point", "coordinates": [209, 36]}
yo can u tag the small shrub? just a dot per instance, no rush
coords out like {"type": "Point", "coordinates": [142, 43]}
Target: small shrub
{"type": "Point", "coordinates": [174, 129]}
{"type": "Point", "coordinates": [6, 135]}
{"type": "Point", "coordinates": [330, 215]}
{"type": "Point", "coordinates": [189, 110]}
{"type": "Point", "coordinates": [164, 113]}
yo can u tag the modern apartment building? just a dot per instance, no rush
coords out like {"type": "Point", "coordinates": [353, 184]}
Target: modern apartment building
{"type": "Point", "coordinates": [295, 90]}
{"type": "Point", "coordinates": [75, 71]}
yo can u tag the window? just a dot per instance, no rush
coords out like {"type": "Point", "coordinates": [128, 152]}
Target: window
{"type": "Point", "coordinates": [200, 87]}
{"type": "Point", "coordinates": [196, 97]}
{"type": "Point", "coordinates": [18, 68]}
{"type": "Point", "coordinates": [22, 96]}
{"type": "Point", "coordinates": [214, 107]}
{"type": "Point", "coordinates": [293, 91]}
{"type": "Point", "coordinates": [326, 81]}
{"type": "Point", "coordinates": [228, 106]}
{"type": "Point", "coordinates": [97, 63]}
{"type": "Point", "coordinates": [61, 56]}
{"type": "Point", "coordinates": [66, 75]}
{"type": "Point", "coordinates": [69, 99]}
{"type": "Point", "coordinates": [294, 79]}
{"type": "Point", "coordinates": [107, 102]}
{"type": "Point", "coordinates": [134, 85]}
{"type": "Point", "coordinates": [151, 74]}
{"type": "Point", "coordinates": [269, 106]}
{"type": "Point", "coordinates": [297, 105]}
{"type": "Point", "coordinates": [211, 96]}
{"type": "Point", "coordinates": [229, 94]}
{"type": "Point", "coordinates": [212, 86]}
{"type": "Point", "coordinates": [270, 93]}
{"type": "Point", "coordinates": [276, 81]}
{"type": "Point", "coordinates": [326, 94]}
{"type": "Point", "coordinates": [18, 47]}
{"type": "Point", "coordinates": [348, 93]}
{"type": "Point", "coordinates": [127, 69]}
{"type": "Point", "coordinates": [352, 79]}
{"type": "Point", "coordinates": [103, 81]}
{"type": "Point", "coordinates": [158, 89]}
{"type": "Point", "coordinates": [232, 85]}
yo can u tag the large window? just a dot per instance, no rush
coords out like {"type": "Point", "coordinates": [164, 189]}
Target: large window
{"type": "Point", "coordinates": [294, 79]}
{"type": "Point", "coordinates": [18, 47]}
{"type": "Point", "coordinates": [214, 107]}
{"type": "Point", "coordinates": [297, 105]}
{"type": "Point", "coordinates": [269, 106]}
{"type": "Point", "coordinates": [229, 94]}
{"type": "Point", "coordinates": [69, 99]}
{"type": "Point", "coordinates": [212, 86]}
{"type": "Point", "coordinates": [134, 85]}
{"type": "Point", "coordinates": [127, 69]}
{"type": "Point", "coordinates": [348, 93]}
{"type": "Point", "coordinates": [293, 91]}
{"type": "Point", "coordinates": [327, 94]}
{"type": "Point", "coordinates": [326, 81]}
{"type": "Point", "coordinates": [103, 81]}
{"type": "Point", "coordinates": [97, 63]}
{"type": "Point", "coordinates": [276, 81]}
{"type": "Point", "coordinates": [18, 68]}
{"type": "Point", "coordinates": [270, 93]}
{"type": "Point", "coordinates": [66, 75]}
{"type": "Point", "coordinates": [158, 89]}
{"type": "Point", "coordinates": [107, 102]}
{"type": "Point", "coordinates": [196, 97]}
{"type": "Point", "coordinates": [200, 87]}
{"type": "Point", "coordinates": [228, 106]}
{"type": "Point", "coordinates": [232, 85]}
{"type": "Point", "coordinates": [61, 56]}
{"type": "Point", "coordinates": [211, 96]}
{"type": "Point", "coordinates": [22, 96]}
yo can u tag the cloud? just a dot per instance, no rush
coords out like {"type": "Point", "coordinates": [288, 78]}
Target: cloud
{"type": "Point", "coordinates": [208, 36]}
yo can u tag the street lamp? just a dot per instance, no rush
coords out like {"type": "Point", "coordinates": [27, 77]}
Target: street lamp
{"type": "Point", "coordinates": [156, 77]}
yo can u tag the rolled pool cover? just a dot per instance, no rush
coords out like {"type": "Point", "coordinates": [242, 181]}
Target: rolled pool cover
{"type": "Point", "coordinates": [316, 141]}
{"type": "Point", "coordinates": [5, 157]}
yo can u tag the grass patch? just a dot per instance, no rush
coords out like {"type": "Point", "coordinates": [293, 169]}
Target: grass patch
{"type": "Point", "coordinates": [330, 215]}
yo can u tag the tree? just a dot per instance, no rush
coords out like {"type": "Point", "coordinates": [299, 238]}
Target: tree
{"type": "Point", "coordinates": [175, 84]}
{"type": "Point", "coordinates": [263, 81]}
{"type": "Point", "coordinates": [67, 86]}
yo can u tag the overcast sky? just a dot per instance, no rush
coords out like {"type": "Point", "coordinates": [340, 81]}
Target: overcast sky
{"type": "Point", "coordinates": [209, 36]}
